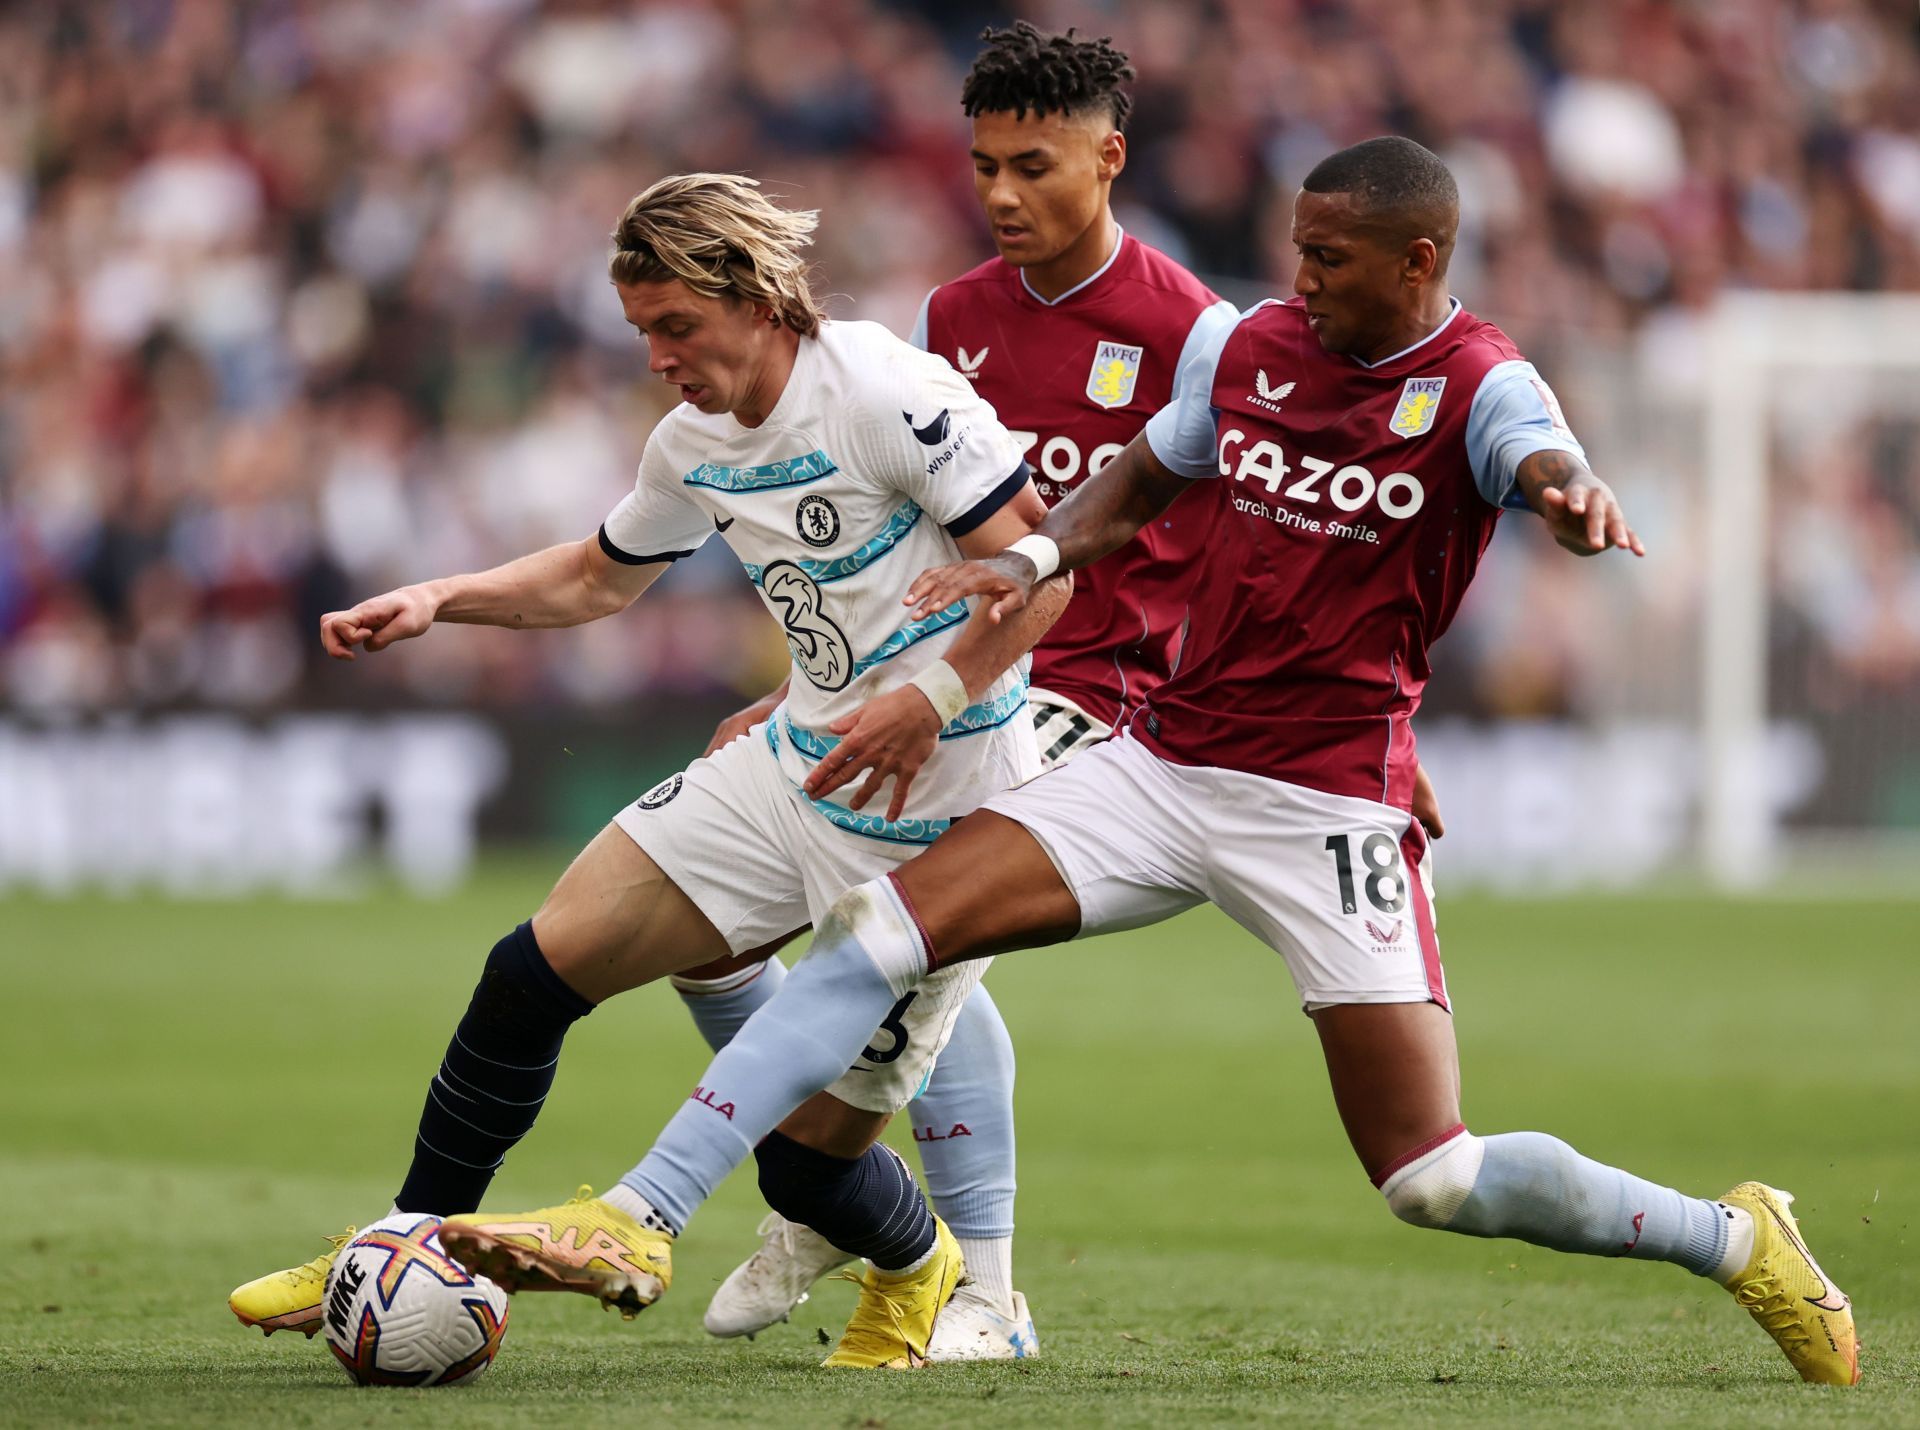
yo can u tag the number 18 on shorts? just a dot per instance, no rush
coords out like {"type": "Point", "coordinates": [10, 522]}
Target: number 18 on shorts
{"type": "Point", "coordinates": [1339, 887]}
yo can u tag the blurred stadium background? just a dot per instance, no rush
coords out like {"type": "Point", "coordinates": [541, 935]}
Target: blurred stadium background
{"type": "Point", "coordinates": [300, 301]}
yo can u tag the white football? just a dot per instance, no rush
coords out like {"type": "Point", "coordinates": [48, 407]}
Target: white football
{"type": "Point", "coordinates": [400, 1311]}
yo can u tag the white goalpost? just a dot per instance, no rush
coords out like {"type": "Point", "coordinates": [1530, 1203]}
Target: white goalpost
{"type": "Point", "coordinates": [1754, 339]}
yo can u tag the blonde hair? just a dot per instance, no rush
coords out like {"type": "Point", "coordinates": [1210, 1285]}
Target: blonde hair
{"type": "Point", "coordinates": [719, 235]}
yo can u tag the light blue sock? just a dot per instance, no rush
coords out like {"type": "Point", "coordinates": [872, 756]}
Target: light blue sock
{"type": "Point", "coordinates": [866, 955]}
{"type": "Point", "coordinates": [1536, 1188]}
{"type": "Point", "coordinates": [963, 1124]}
{"type": "Point", "coordinates": [720, 1006]}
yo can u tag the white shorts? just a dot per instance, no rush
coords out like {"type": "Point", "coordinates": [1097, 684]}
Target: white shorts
{"type": "Point", "coordinates": [739, 840]}
{"type": "Point", "coordinates": [1061, 728]}
{"type": "Point", "coordinates": [1319, 878]}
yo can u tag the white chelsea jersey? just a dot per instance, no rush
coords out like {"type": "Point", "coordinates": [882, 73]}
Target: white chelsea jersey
{"type": "Point", "coordinates": [874, 458]}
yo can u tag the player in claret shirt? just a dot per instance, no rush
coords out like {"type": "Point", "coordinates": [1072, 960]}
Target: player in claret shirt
{"type": "Point", "coordinates": [1368, 434]}
{"type": "Point", "coordinates": [1074, 333]}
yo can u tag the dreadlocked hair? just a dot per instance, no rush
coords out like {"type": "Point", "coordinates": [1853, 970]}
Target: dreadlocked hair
{"type": "Point", "coordinates": [1024, 68]}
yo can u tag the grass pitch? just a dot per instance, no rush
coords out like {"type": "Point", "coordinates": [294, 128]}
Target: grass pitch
{"type": "Point", "coordinates": [191, 1094]}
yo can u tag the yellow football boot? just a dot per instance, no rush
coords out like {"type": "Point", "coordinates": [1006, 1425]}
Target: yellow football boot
{"type": "Point", "coordinates": [892, 1323]}
{"type": "Point", "coordinates": [586, 1246]}
{"type": "Point", "coordinates": [1789, 1295]}
{"type": "Point", "coordinates": [288, 1300]}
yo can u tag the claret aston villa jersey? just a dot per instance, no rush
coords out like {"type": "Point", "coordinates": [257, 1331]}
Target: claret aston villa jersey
{"type": "Point", "coordinates": [873, 460]}
{"type": "Point", "coordinates": [1075, 379]}
{"type": "Point", "coordinates": [1357, 500]}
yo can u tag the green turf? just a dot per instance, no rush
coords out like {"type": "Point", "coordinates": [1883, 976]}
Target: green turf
{"type": "Point", "coordinates": [190, 1094]}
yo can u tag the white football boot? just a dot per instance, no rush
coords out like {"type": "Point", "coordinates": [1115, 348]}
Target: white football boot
{"type": "Point", "coordinates": [970, 1327]}
{"type": "Point", "coordinates": [767, 1286]}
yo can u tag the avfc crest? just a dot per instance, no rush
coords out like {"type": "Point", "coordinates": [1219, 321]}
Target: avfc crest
{"type": "Point", "coordinates": [1116, 367]}
{"type": "Point", "coordinates": [1419, 405]}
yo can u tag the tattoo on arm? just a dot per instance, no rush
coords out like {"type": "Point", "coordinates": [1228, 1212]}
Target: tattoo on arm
{"type": "Point", "coordinates": [1549, 469]}
{"type": "Point", "coordinates": [1105, 512]}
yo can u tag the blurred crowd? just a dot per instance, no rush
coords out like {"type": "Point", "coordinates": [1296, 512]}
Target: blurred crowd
{"type": "Point", "coordinates": [302, 299]}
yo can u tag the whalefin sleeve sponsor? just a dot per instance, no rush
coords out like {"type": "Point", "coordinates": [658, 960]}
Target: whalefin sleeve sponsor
{"type": "Point", "coordinates": [940, 443]}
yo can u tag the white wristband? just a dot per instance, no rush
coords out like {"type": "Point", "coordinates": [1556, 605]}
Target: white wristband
{"type": "Point", "coordinates": [1042, 551]}
{"type": "Point", "coordinates": [942, 685]}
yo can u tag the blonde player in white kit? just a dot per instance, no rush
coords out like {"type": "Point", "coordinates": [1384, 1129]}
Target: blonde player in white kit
{"type": "Point", "coordinates": [837, 461]}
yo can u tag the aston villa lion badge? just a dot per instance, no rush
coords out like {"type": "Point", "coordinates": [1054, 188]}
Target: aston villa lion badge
{"type": "Point", "coordinates": [1116, 367]}
{"type": "Point", "coordinates": [1419, 405]}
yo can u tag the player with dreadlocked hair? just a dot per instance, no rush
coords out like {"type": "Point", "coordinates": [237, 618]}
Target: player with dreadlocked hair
{"type": "Point", "coordinates": [1024, 68]}
{"type": "Point", "coordinates": [1061, 102]}
{"type": "Point", "coordinates": [1071, 293]}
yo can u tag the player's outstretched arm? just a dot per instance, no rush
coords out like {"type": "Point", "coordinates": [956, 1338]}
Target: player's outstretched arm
{"type": "Point", "coordinates": [1579, 509]}
{"type": "Point", "coordinates": [893, 735]}
{"type": "Point", "coordinates": [561, 586]}
{"type": "Point", "coordinates": [1101, 516]}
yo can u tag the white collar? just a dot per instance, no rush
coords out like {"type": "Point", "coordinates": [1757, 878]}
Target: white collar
{"type": "Point", "coordinates": [1119, 237]}
{"type": "Point", "coordinates": [1453, 311]}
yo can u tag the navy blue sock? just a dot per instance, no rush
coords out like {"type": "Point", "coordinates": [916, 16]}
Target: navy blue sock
{"type": "Point", "coordinates": [868, 1206]}
{"type": "Point", "coordinates": [493, 1079]}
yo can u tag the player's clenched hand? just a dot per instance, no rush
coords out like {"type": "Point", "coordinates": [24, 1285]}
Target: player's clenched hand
{"type": "Point", "coordinates": [890, 737]}
{"type": "Point", "coordinates": [1005, 580]}
{"type": "Point", "coordinates": [377, 623]}
{"type": "Point", "coordinates": [741, 721]}
{"type": "Point", "coordinates": [1586, 518]}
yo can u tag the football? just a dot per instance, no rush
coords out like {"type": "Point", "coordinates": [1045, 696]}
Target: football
{"type": "Point", "coordinates": [400, 1311]}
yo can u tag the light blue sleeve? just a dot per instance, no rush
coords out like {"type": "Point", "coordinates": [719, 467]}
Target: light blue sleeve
{"type": "Point", "coordinates": [1212, 323]}
{"type": "Point", "coordinates": [918, 337]}
{"type": "Point", "coordinates": [1514, 415]}
{"type": "Point", "coordinates": [1181, 434]}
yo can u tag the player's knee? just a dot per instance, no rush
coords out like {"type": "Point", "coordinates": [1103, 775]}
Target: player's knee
{"type": "Point", "coordinates": [1428, 1189]}
{"type": "Point", "coordinates": [873, 919]}
{"type": "Point", "coordinates": [511, 953]}
{"type": "Point", "coordinates": [519, 973]}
